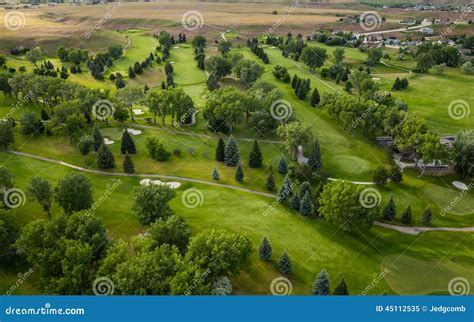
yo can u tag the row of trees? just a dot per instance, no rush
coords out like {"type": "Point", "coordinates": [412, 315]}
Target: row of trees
{"type": "Point", "coordinates": [389, 212]}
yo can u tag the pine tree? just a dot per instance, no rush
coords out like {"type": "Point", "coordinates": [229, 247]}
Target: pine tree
{"type": "Point", "coordinates": [270, 184]}
{"type": "Point", "coordinates": [215, 174]}
{"type": "Point", "coordinates": [163, 85]}
{"type": "Point", "coordinates": [282, 165]}
{"type": "Point", "coordinates": [212, 82]}
{"type": "Point", "coordinates": [406, 216]}
{"type": "Point", "coordinates": [128, 166]}
{"type": "Point", "coordinates": [315, 98]}
{"type": "Point", "coordinates": [265, 249]}
{"type": "Point", "coordinates": [239, 173]}
{"type": "Point", "coordinates": [284, 264]}
{"type": "Point", "coordinates": [97, 137]}
{"type": "Point", "coordinates": [389, 211]}
{"type": "Point", "coordinates": [304, 188]}
{"type": "Point", "coordinates": [396, 174]}
{"type": "Point", "coordinates": [295, 202]}
{"type": "Point", "coordinates": [255, 158]}
{"type": "Point", "coordinates": [127, 143]}
{"type": "Point", "coordinates": [294, 82]}
{"type": "Point", "coordinates": [315, 158]}
{"type": "Point", "coordinates": [306, 207]}
{"type": "Point", "coordinates": [131, 73]}
{"type": "Point", "coordinates": [220, 150]}
{"type": "Point", "coordinates": [232, 156]}
{"type": "Point", "coordinates": [341, 288]}
{"type": "Point", "coordinates": [321, 283]}
{"type": "Point", "coordinates": [427, 216]}
{"type": "Point", "coordinates": [396, 85]}
{"type": "Point", "coordinates": [284, 192]}
{"type": "Point", "coordinates": [105, 158]}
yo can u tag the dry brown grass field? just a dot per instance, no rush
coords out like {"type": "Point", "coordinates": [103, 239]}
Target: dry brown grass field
{"type": "Point", "coordinates": [66, 24]}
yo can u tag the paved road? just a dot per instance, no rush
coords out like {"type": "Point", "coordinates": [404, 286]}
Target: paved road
{"type": "Point", "coordinates": [419, 230]}
{"type": "Point", "coordinates": [376, 32]}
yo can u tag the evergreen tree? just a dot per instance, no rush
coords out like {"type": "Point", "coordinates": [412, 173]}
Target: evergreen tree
{"type": "Point", "coordinates": [427, 216]}
{"type": "Point", "coordinates": [304, 188]}
{"type": "Point", "coordinates": [215, 174]}
{"type": "Point", "coordinates": [127, 144]}
{"type": "Point", "coordinates": [239, 173]}
{"type": "Point", "coordinates": [406, 216]}
{"type": "Point", "coordinates": [270, 184]}
{"type": "Point", "coordinates": [284, 192]}
{"type": "Point", "coordinates": [294, 82]}
{"type": "Point", "coordinates": [389, 211]}
{"type": "Point", "coordinates": [306, 207]}
{"type": "Point", "coordinates": [315, 98]}
{"type": "Point", "coordinates": [212, 82]}
{"type": "Point", "coordinates": [284, 264]}
{"type": "Point", "coordinates": [315, 158]}
{"type": "Point", "coordinates": [105, 158]}
{"type": "Point", "coordinates": [128, 166]}
{"type": "Point", "coordinates": [295, 202]}
{"type": "Point", "coordinates": [341, 288]}
{"type": "Point", "coordinates": [131, 73]}
{"type": "Point", "coordinates": [255, 158]}
{"type": "Point", "coordinates": [265, 249]}
{"type": "Point", "coordinates": [163, 85]}
{"type": "Point", "coordinates": [321, 283]}
{"type": "Point", "coordinates": [232, 156]}
{"type": "Point", "coordinates": [396, 174]}
{"type": "Point", "coordinates": [97, 137]}
{"type": "Point", "coordinates": [220, 150]}
{"type": "Point", "coordinates": [282, 165]}
{"type": "Point", "coordinates": [396, 85]}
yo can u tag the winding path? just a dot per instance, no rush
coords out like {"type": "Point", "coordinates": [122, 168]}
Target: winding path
{"type": "Point", "coordinates": [402, 229]}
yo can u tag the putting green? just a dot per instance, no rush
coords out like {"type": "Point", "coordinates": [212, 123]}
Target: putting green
{"type": "Point", "coordinates": [451, 201]}
{"type": "Point", "coordinates": [410, 276]}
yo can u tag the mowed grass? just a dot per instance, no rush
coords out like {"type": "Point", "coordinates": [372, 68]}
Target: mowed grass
{"type": "Point", "coordinates": [313, 244]}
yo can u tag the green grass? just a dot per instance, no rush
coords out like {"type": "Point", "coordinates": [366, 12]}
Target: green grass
{"type": "Point", "coordinates": [312, 244]}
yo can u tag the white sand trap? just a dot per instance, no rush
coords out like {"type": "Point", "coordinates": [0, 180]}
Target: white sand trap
{"type": "Point", "coordinates": [134, 132]}
{"type": "Point", "coordinates": [272, 47]}
{"type": "Point", "coordinates": [375, 78]}
{"type": "Point", "coordinates": [108, 142]}
{"type": "Point", "coordinates": [171, 62]}
{"type": "Point", "coordinates": [176, 47]}
{"type": "Point", "coordinates": [172, 185]}
{"type": "Point", "coordinates": [138, 111]}
{"type": "Point", "coordinates": [145, 182]}
{"type": "Point", "coordinates": [460, 185]}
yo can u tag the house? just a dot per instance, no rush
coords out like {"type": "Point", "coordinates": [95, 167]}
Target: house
{"type": "Point", "coordinates": [447, 141]}
{"type": "Point", "coordinates": [434, 168]}
{"type": "Point", "coordinates": [384, 140]}
{"type": "Point", "coordinates": [374, 38]}
{"type": "Point", "coordinates": [408, 22]}
{"type": "Point", "coordinates": [441, 21]}
{"type": "Point", "coordinates": [426, 31]}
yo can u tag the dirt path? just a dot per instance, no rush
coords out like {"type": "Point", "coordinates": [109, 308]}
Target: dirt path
{"type": "Point", "coordinates": [419, 230]}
